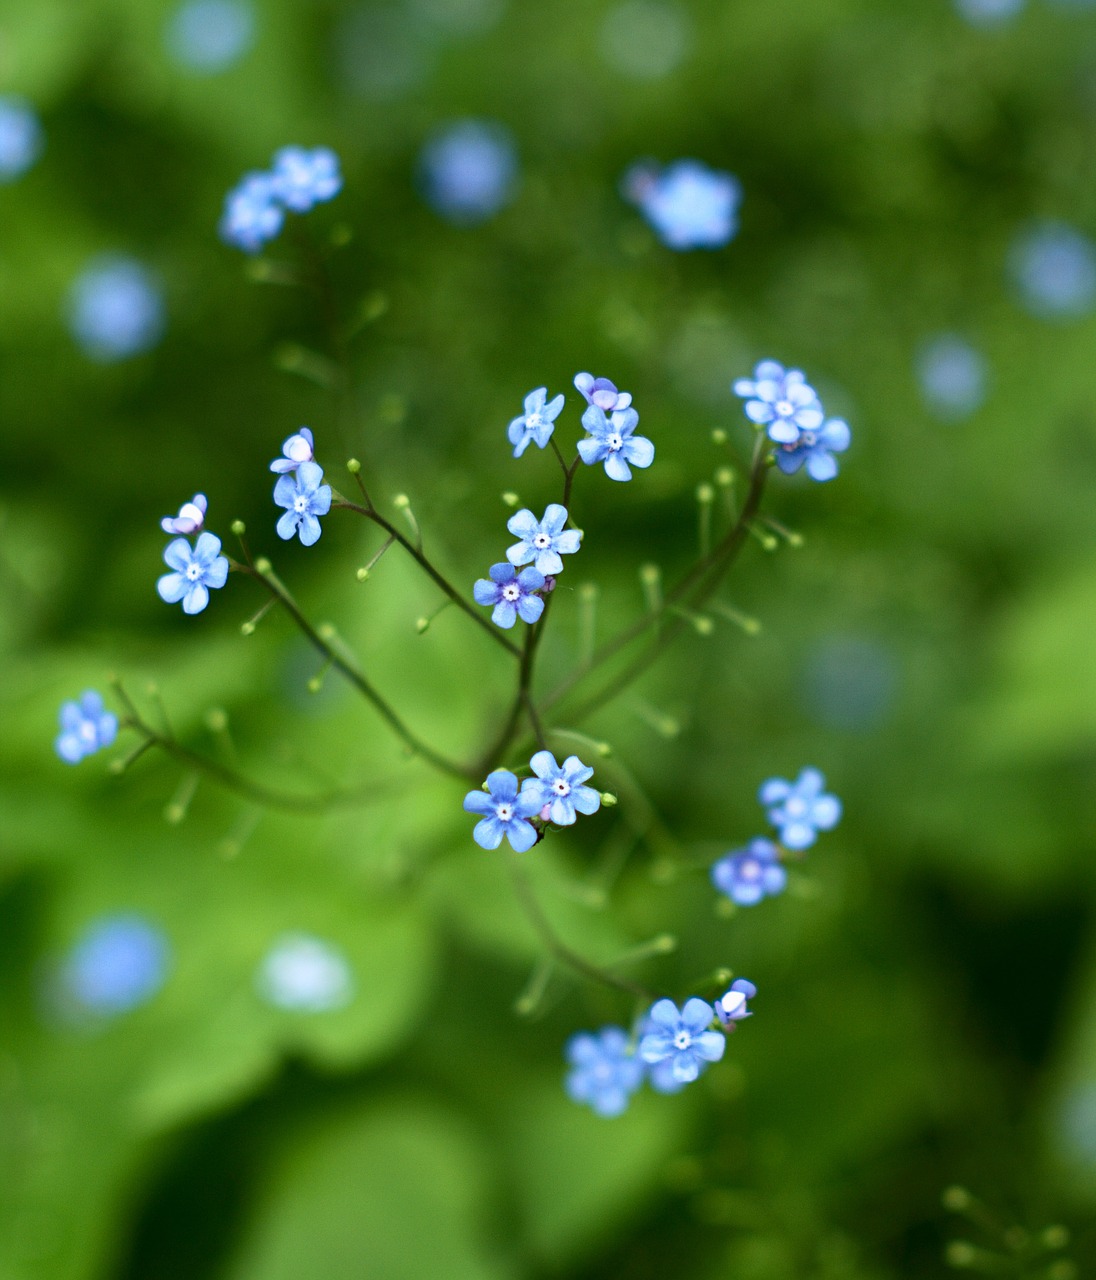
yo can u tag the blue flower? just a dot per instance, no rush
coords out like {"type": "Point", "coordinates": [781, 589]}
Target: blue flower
{"type": "Point", "coordinates": [748, 875]}
{"type": "Point", "coordinates": [611, 441]}
{"type": "Point", "coordinates": [542, 541]}
{"type": "Point", "coordinates": [1053, 267]}
{"type": "Point", "coordinates": [297, 449]}
{"type": "Point", "coordinates": [195, 572]}
{"type": "Point", "coordinates": [952, 375]}
{"type": "Point", "coordinates": [683, 1038]}
{"type": "Point", "coordinates": [505, 812]}
{"type": "Point", "coordinates": [208, 36]}
{"type": "Point", "coordinates": [253, 213]}
{"type": "Point", "coordinates": [560, 787]}
{"type": "Point", "coordinates": [305, 975]}
{"type": "Point", "coordinates": [816, 449]}
{"type": "Point", "coordinates": [536, 423]}
{"type": "Point", "coordinates": [115, 309]}
{"type": "Point", "coordinates": [988, 13]}
{"type": "Point", "coordinates": [602, 392]}
{"type": "Point", "coordinates": [689, 205]}
{"type": "Point", "coordinates": [85, 728]}
{"type": "Point", "coordinates": [468, 171]}
{"type": "Point", "coordinates": [605, 1072]}
{"type": "Point", "coordinates": [20, 137]}
{"type": "Point", "coordinates": [731, 1007]}
{"type": "Point", "coordinates": [800, 809]}
{"type": "Point", "coordinates": [190, 519]}
{"type": "Point", "coordinates": [780, 400]}
{"type": "Point", "coordinates": [119, 963]}
{"type": "Point", "coordinates": [513, 594]}
{"type": "Point", "coordinates": [305, 178]}
{"type": "Point", "coordinates": [305, 498]}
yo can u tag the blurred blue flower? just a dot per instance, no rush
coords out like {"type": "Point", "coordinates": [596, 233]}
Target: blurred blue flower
{"type": "Point", "coordinates": [118, 964]}
{"type": "Point", "coordinates": [505, 812]}
{"type": "Point", "coordinates": [305, 178]}
{"type": "Point", "coordinates": [689, 205]}
{"type": "Point", "coordinates": [297, 449]}
{"type": "Point", "coordinates": [602, 392]}
{"type": "Point", "coordinates": [681, 1037]}
{"type": "Point", "coordinates": [86, 727]}
{"type": "Point", "coordinates": [190, 519]}
{"type": "Point", "coordinates": [469, 170]}
{"type": "Point", "coordinates": [816, 449]}
{"type": "Point", "coordinates": [20, 137]}
{"type": "Point", "coordinates": [781, 400]}
{"type": "Point", "coordinates": [559, 788]}
{"type": "Point", "coordinates": [195, 571]}
{"type": "Point", "coordinates": [304, 974]}
{"type": "Point", "coordinates": [645, 38]}
{"type": "Point", "coordinates": [849, 681]}
{"type": "Point", "coordinates": [253, 213]}
{"type": "Point", "coordinates": [305, 498]}
{"type": "Point", "coordinates": [750, 874]}
{"type": "Point", "coordinates": [537, 423]}
{"type": "Point", "coordinates": [986, 13]}
{"type": "Point", "coordinates": [731, 1006]}
{"type": "Point", "coordinates": [605, 1071]}
{"type": "Point", "coordinates": [542, 541]}
{"type": "Point", "coordinates": [611, 441]}
{"type": "Point", "coordinates": [511, 593]}
{"type": "Point", "coordinates": [1053, 267]}
{"type": "Point", "coordinates": [800, 809]}
{"type": "Point", "coordinates": [210, 35]}
{"type": "Point", "coordinates": [952, 376]}
{"type": "Point", "coordinates": [115, 309]}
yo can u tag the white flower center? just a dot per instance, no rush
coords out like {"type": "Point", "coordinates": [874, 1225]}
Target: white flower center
{"type": "Point", "coordinates": [300, 504]}
{"type": "Point", "coordinates": [511, 592]}
{"type": "Point", "coordinates": [750, 869]}
{"type": "Point", "coordinates": [784, 408]}
{"type": "Point", "coordinates": [808, 438]}
{"type": "Point", "coordinates": [682, 1040]}
{"type": "Point", "coordinates": [615, 441]}
{"type": "Point", "coordinates": [561, 788]}
{"type": "Point", "coordinates": [796, 807]}
{"type": "Point", "coordinates": [504, 812]}
{"type": "Point", "coordinates": [533, 420]}
{"type": "Point", "coordinates": [542, 540]}
{"type": "Point", "coordinates": [193, 571]}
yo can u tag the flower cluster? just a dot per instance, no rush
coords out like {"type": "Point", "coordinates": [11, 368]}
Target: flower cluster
{"type": "Point", "coordinates": [788, 408]}
{"type": "Point", "coordinates": [86, 727]}
{"type": "Point", "coordinates": [298, 179]}
{"type": "Point", "coordinates": [542, 545]}
{"type": "Point", "coordinates": [555, 794]}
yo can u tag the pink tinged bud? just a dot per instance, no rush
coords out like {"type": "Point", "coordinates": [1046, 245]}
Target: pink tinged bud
{"type": "Point", "coordinates": [545, 812]}
{"type": "Point", "coordinates": [549, 585]}
{"type": "Point", "coordinates": [190, 519]}
{"type": "Point", "coordinates": [298, 449]}
{"type": "Point", "coordinates": [731, 1007]}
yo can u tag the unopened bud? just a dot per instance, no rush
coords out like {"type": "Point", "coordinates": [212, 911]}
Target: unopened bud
{"type": "Point", "coordinates": [263, 565]}
{"type": "Point", "coordinates": [402, 501]}
{"type": "Point", "coordinates": [421, 625]}
{"type": "Point", "coordinates": [608, 799]}
{"type": "Point", "coordinates": [719, 436]}
{"type": "Point", "coordinates": [724, 477]}
{"type": "Point", "coordinates": [315, 684]}
{"type": "Point", "coordinates": [216, 720]}
{"type": "Point", "coordinates": [510, 498]}
{"type": "Point", "coordinates": [247, 628]}
{"type": "Point", "coordinates": [703, 626]}
{"type": "Point", "coordinates": [362, 574]}
{"type": "Point", "coordinates": [705, 494]}
{"type": "Point", "coordinates": [957, 1199]}
{"type": "Point", "coordinates": [353, 466]}
{"type": "Point", "coordinates": [960, 1253]}
{"type": "Point", "coordinates": [238, 528]}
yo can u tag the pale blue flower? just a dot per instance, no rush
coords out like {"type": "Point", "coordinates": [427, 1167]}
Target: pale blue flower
{"type": "Point", "coordinates": [253, 213]}
{"type": "Point", "coordinates": [611, 441]}
{"type": "Point", "coordinates": [118, 964]}
{"type": "Point", "coordinates": [20, 137]}
{"type": "Point", "coordinates": [537, 423]}
{"type": "Point", "coordinates": [689, 205]}
{"type": "Point", "coordinates": [816, 449]}
{"type": "Point", "coordinates": [297, 449]}
{"type": "Point", "coordinates": [781, 400]}
{"type": "Point", "coordinates": [800, 809]}
{"type": "Point", "coordinates": [560, 788]}
{"type": "Point", "coordinates": [469, 170]}
{"type": "Point", "coordinates": [952, 376]}
{"type": "Point", "coordinates": [542, 541]}
{"type": "Point", "coordinates": [190, 519]}
{"type": "Point", "coordinates": [304, 178]}
{"type": "Point", "coordinates": [305, 498]}
{"type": "Point", "coordinates": [988, 13]}
{"type": "Point", "coordinates": [681, 1037]}
{"type": "Point", "coordinates": [195, 572]}
{"type": "Point", "coordinates": [731, 1007]}
{"type": "Point", "coordinates": [1053, 267]}
{"type": "Point", "coordinates": [208, 36]}
{"type": "Point", "coordinates": [304, 974]}
{"type": "Point", "coordinates": [602, 392]}
{"type": "Point", "coordinates": [505, 812]}
{"type": "Point", "coordinates": [115, 309]}
{"type": "Point", "coordinates": [750, 874]}
{"type": "Point", "coordinates": [86, 727]}
{"type": "Point", "coordinates": [512, 594]}
{"type": "Point", "coordinates": [605, 1071]}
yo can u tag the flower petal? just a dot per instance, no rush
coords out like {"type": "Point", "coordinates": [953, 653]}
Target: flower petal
{"type": "Point", "coordinates": [177, 554]}
{"type": "Point", "coordinates": [479, 802]}
{"type": "Point", "coordinates": [172, 587]}
{"type": "Point", "coordinates": [523, 524]}
{"type": "Point", "coordinates": [309, 529]}
{"type": "Point", "coordinates": [530, 608]}
{"type": "Point", "coordinates": [616, 468]}
{"type": "Point", "coordinates": [195, 599]}
{"type": "Point", "coordinates": [639, 451]}
{"type": "Point", "coordinates": [287, 525]}
{"type": "Point", "coordinates": [521, 834]}
{"type": "Point", "coordinates": [488, 833]}
{"type": "Point", "coordinates": [503, 785]}
{"type": "Point", "coordinates": [592, 450]}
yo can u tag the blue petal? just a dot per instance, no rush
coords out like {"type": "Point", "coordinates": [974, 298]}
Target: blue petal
{"type": "Point", "coordinates": [568, 542]}
{"type": "Point", "coordinates": [710, 1046]}
{"type": "Point", "coordinates": [520, 553]}
{"type": "Point", "coordinates": [309, 529]}
{"type": "Point", "coordinates": [773, 790]}
{"type": "Point", "coordinates": [821, 466]}
{"type": "Point", "coordinates": [521, 834]}
{"type": "Point", "coordinates": [504, 615]}
{"type": "Point", "coordinates": [760, 412]}
{"type": "Point", "coordinates": [172, 587]}
{"type": "Point", "coordinates": [534, 401]}
{"type": "Point", "coordinates": [207, 548]}
{"type": "Point", "coordinates": [530, 579]}
{"type": "Point", "coordinates": [287, 525]}
{"type": "Point", "coordinates": [592, 450]}
{"type": "Point", "coordinates": [530, 608]}
{"type": "Point", "coordinates": [479, 802]}
{"type": "Point", "coordinates": [321, 501]}
{"type": "Point", "coordinates": [696, 1014]}
{"type": "Point", "coordinates": [285, 491]}
{"type": "Point", "coordinates": [484, 591]}
{"type": "Point", "coordinates": [552, 408]}
{"type": "Point", "coordinates": [70, 748]}
{"type": "Point", "coordinates": [616, 468]}
{"type": "Point", "coordinates": [826, 812]}
{"type": "Point", "coordinates": [798, 835]}
{"type": "Point", "coordinates": [561, 811]}
{"type": "Point", "coordinates": [548, 562]}
{"type": "Point", "coordinates": [835, 435]}
{"type": "Point", "coordinates": [543, 764]}
{"type": "Point", "coordinates": [217, 573]}
{"type": "Point", "coordinates": [575, 771]}
{"type": "Point", "coordinates": [503, 786]}
{"type": "Point", "coordinates": [789, 460]}
{"type": "Point", "coordinates": [686, 1068]}
{"type": "Point", "coordinates": [783, 432]}
{"type": "Point", "coordinates": [523, 524]}
{"type": "Point", "coordinates": [595, 421]}
{"type": "Point", "coordinates": [639, 451]}
{"type": "Point", "coordinates": [586, 799]}
{"type": "Point", "coordinates": [195, 599]}
{"type": "Point", "coordinates": [555, 517]}
{"type": "Point", "coordinates": [664, 1014]}
{"type": "Point", "coordinates": [488, 833]}
{"type": "Point", "coordinates": [502, 573]}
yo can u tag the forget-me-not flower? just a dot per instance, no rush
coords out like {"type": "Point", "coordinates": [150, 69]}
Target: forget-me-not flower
{"type": "Point", "coordinates": [611, 441]}
{"type": "Point", "coordinates": [537, 423]}
{"type": "Point", "coordinates": [20, 137]}
{"type": "Point", "coordinates": [506, 812]}
{"type": "Point", "coordinates": [731, 1006]}
{"type": "Point", "coordinates": [682, 1037]}
{"type": "Point", "coordinates": [1053, 266]}
{"type": "Point", "coordinates": [305, 975]}
{"type": "Point", "coordinates": [605, 1070]}
{"type": "Point", "coordinates": [513, 594]}
{"type": "Point", "coordinates": [542, 541]}
{"type": "Point", "coordinates": [208, 36]}
{"type": "Point", "coordinates": [468, 171]}
{"type": "Point", "coordinates": [115, 309]}
{"type": "Point", "coordinates": [195, 571]}
{"type": "Point", "coordinates": [86, 727]}
{"type": "Point", "coordinates": [602, 392]}
{"type": "Point", "coordinates": [253, 213]}
{"type": "Point", "coordinates": [689, 205]}
{"type": "Point", "coordinates": [297, 449]}
{"type": "Point", "coordinates": [816, 449]}
{"type": "Point", "coordinates": [561, 788]}
{"type": "Point", "coordinates": [952, 376]}
{"type": "Point", "coordinates": [800, 809]}
{"type": "Point", "coordinates": [748, 875]}
{"type": "Point", "coordinates": [304, 178]}
{"type": "Point", "coordinates": [190, 519]}
{"type": "Point", "coordinates": [781, 400]}
{"type": "Point", "coordinates": [118, 964]}
{"type": "Point", "coordinates": [305, 498]}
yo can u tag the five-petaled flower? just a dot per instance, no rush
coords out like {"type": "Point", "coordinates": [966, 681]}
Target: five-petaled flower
{"type": "Point", "coordinates": [297, 449]}
{"type": "Point", "coordinates": [513, 594]}
{"type": "Point", "coordinates": [190, 519]}
{"type": "Point", "coordinates": [196, 569]}
{"type": "Point", "coordinates": [305, 498]}
{"type": "Point", "coordinates": [602, 392]}
{"type": "Point", "coordinates": [86, 727]}
{"type": "Point", "coordinates": [303, 178]}
{"type": "Point", "coordinates": [748, 875]}
{"type": "Point", "coordinates": [689, 205]}
{"type": "Point", "coordinates": [682, 1037]}
{"type": "Point", "coordinates": [537, 423]}
{"type": "Point", "coordinates": [560, 788]}
{"type": "Point", "coordinates": [731, 1006]}
{"type": "Point", "coordinates": [253, 213]}
{"type": "Point", "coordinates": [800, 809]}
{"type": "Point", "coordinates": [542, 541]}
{"type": "Point", "coordinates": [506, 812]}
{"type": "Point", "coordinates": [816, 449]}
{"type": "Point", "coordinates": [781, 400]}
{"type": "Point", "coordinates": [605, 1070]}
{"type": "Point", "coordinates": [611, 441]}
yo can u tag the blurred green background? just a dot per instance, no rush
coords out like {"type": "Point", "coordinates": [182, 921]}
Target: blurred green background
{"type": "Point", "coordinates": [927, 1006]}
